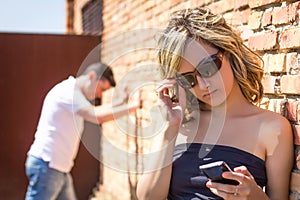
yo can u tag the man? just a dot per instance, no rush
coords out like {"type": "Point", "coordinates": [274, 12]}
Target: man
{"type": "Point", "coordinates": [57, 138]}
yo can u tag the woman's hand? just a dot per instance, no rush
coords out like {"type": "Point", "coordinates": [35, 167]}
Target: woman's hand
{"type": "Point", "coordinates": [247, 189]}
{"type": "Point", "coordinates": [171, 108]}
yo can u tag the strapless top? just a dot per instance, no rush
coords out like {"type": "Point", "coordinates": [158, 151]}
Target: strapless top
{"type": "Point", "coordinates": [188, 182]}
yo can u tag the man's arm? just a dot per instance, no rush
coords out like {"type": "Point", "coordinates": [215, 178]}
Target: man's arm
{"type": "Point", "coordinates": [106, 112]}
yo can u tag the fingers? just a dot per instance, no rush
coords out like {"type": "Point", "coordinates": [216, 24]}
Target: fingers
{"type": "Point", "coordinates": [243, 170]}
{"type": "Point", "coordinates": [162, 89]}
{"type": "Point", "coordinates": [228, 191]}
{"type": "Point", "coordinates": [170, 107]}
{"type": "Point", "coordinates": [241, 174]}
{"type": "Point", "coordinates": [167, 83]}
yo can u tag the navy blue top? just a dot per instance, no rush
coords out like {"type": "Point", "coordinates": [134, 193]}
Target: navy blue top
{"type": "Point", "coordinates": [188, 183]}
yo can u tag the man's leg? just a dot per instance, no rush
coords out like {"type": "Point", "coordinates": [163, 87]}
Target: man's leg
{"type": "Point", "coordinates": [44, 183]}
{"type": "Point", "coordinates": [68, 191]}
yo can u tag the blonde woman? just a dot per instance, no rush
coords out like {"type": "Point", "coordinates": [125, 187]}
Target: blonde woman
{"type": "Point", "coordinates": [219, 81]}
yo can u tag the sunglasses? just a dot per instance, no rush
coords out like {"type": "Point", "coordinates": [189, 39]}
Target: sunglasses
{"type": "Point", "coordinates": [206, 68]}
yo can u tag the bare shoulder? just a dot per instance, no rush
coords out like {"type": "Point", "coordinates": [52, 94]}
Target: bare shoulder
{"type": "Point", "coordinates": [273, 121]}
{"type": "Point", "coordinates": [274, 130]}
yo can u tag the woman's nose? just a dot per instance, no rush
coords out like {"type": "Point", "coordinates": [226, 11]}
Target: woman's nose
{"type": "Point", "coordinates": [203, 83]}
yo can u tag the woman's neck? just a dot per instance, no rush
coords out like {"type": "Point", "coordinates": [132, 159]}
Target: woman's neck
{"type": "Point", "coordinates": [235, 105]}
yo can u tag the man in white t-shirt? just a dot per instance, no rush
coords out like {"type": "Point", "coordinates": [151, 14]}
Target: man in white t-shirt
{"type": "Point", "coordinates": [57, 138]}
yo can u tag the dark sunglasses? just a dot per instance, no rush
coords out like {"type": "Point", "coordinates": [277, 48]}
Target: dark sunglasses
{"type": "Point", "coordinates": [206, 68]}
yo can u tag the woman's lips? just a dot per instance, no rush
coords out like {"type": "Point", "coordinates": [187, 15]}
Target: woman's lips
{"type": "Point", "coordinates": [209, 94]}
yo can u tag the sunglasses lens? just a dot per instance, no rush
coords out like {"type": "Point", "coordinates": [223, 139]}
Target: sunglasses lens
{"type": "Point", "coordinates": [209, 68]}
{"type": "Point", "coordinates": [186, 81]}
{"type": "Point", "coordinates": [206, 68]}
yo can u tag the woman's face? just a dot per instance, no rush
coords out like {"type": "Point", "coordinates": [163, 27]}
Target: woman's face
{"type": "Point", "coordinates": [212, 90]}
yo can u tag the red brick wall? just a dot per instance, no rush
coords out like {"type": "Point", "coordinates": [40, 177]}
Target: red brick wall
{"type": "Point", "coordinates": [270, 27]}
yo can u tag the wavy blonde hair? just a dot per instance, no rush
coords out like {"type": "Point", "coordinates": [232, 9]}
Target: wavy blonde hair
{"type": "Point", "coordinates": [201, 24]}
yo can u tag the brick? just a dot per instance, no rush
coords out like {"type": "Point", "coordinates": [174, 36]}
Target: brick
{"type": "Point", "coordinates": [293, 11]}
{"type": "Point", "coordinates": [283, 107]}
{"type": "Point", "coordinates": [222, 6]}
{"type": "Point", "coordinates": [296, 133]}
{"type": "Point", "coordinates": [290, 84]}
{"type": "Point", "coordinates": [294, 196]}
{"type": "Point", "coordinates": [263, 41]}
{"type": "Point", "coordinates": [245, 15]}
{"type": "Point", "coordinates": [295, 181]}
{"type": "Point", "coordinates": [197, 3]}
{"type": "Point", "coordinates": [206, 2]}
{"type": "Point", "coordinates": [267, 2]}
{"type": "Point", "coordinates": [241, 3]}
{"type": "Point", "coordinates": [276, 62]}
{"type": "Point", "coordinates": [277, 105]}
{"type": "Point", "coordinates": [230, 18]}
{"type": "Point", "coordinates": [264, 103]}
{"type": "Point", "coordinates": [267, 18]}
{"type": "Point", "coordinates": [255, 3]}
{"type": "Point", "coordinates": [174, 2]}
{"type": "Point", "coordinates": [293, 111]}
{"type": "Point", "coordinates": [280, 15]}
{"type": "Point", "coordinates": [259, 3]}
{"type": "Point", "coordinates": [269, 83]}
{"type": "Point", "coordinates": [297, 157]}
{"type": "Point", "coordinates": [148, 4]}
{"type": "Point", "coordinates": [266, 62]}
{"type": "Point", "coordinates": [290, 38]}
{"type": "Point", "coordinates": [292, 63]}
{"type": "Point", "coordinates": [236, 18]}
{"type": "Point", "coordinates": [254, 20]}
{"type": "Point", "coordinates": [161, 7]}
{"type": "Point", "coordinates": [245, 32]}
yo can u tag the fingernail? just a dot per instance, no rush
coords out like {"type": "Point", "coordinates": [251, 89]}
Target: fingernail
{"type": "Point", "coordinates": [208, 184]}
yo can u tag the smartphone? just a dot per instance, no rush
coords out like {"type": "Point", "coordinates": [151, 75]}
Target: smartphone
{"type": "Point", "coordinates": [214, 172]}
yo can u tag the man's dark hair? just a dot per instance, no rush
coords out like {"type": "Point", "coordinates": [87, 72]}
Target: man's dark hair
{"type": "Point", "coordinates": [103, 71]}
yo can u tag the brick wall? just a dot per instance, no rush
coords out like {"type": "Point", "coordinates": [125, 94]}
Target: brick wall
{"type": "Point", "coordinates": [275, 26]}
{"type": "Point", "coordinates": [74, 16]}
{"type": "Point", "coordinates": [270, 27]}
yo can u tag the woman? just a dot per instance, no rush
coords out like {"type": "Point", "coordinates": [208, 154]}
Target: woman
{"type": "Point", "coordinates": [207, 59]}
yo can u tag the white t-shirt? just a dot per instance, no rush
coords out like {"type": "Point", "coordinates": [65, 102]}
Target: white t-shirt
{"type": "Point", "coordinates": [59, 130]}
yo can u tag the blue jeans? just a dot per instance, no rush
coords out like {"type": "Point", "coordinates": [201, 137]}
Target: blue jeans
{"type": "Point", "coordinates": [46, 183]}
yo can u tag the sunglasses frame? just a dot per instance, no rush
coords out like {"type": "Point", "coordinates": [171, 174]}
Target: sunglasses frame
{"type": "Point", "coordinates": [217, 60]}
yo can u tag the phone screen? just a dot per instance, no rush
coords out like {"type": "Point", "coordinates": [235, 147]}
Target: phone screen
{"type": "Point", "coordinates": [214, 172]}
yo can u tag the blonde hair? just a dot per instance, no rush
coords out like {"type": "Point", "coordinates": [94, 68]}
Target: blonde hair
{"type": "Point", "coordinates": [201, 24]}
